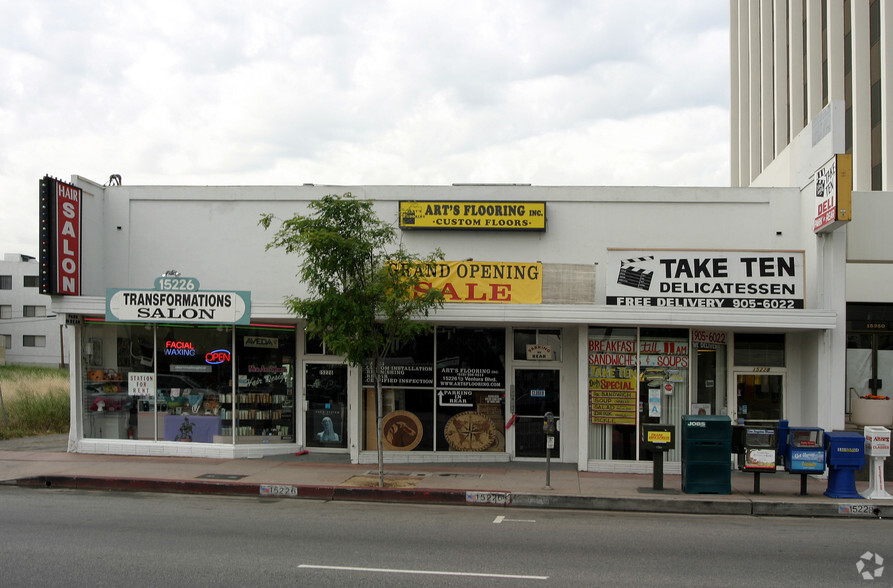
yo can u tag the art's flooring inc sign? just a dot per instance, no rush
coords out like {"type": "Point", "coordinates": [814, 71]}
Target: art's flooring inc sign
{"type": "Point", "coordinates": [706, 279]}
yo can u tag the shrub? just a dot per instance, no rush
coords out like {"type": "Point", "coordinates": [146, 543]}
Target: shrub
{"type": "Point", "coordinates": [36, 401]}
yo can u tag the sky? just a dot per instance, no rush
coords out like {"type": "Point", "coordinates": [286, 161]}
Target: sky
{"type": "Point", "coordinates": [408, 92]}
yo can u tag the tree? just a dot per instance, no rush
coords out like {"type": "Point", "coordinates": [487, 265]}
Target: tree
{"type": "Point", "coordinates": [363, 299]}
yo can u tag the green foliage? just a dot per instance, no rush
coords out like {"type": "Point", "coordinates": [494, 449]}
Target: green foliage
{"type": "Point", "coordinates": [361, 281]}
{"type": "Point", "coordinates": [36, 401]}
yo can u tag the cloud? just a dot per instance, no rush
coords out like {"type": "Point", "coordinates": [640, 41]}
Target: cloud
{"type": "Point", "coordinates": [403, 92]}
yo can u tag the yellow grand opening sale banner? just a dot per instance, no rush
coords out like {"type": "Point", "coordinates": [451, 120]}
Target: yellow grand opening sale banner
{"type": "Point", "coordinates": [480, 281]}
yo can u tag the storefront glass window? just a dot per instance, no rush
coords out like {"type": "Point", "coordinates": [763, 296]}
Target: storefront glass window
{"type": "Point", "coordinates": [111, 353]}
{"type": "Point", "coordinates": [264, 409]}
{"type": "Point", "coordinates": [175, 383]}
{"type": "Point", "coordinates": [635, 377]}
{"type": "Point", "coordinates": [536, 344]}
{"type": "Point", "coordinates": [442, 393]}
{"type": "Point", "coordinates": [759, 349]}
{"type": "Point", "coordinates": [194, 369]}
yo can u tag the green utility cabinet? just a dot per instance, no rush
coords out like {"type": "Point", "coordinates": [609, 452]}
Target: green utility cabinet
{"type": "Point", "coordinates": [706, 454]}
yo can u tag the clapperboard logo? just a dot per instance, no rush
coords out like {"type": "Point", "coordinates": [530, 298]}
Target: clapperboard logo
{"type": "Point", "coordinates": [634, 276]}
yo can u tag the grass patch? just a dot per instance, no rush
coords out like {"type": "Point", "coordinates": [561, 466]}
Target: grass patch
{"type": "Point", "coordinates": [36, 400]}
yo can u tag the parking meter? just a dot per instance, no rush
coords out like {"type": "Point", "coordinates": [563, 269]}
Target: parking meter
{"type": "Point", "coordinates": [549, 423]}
{"type": "Point", "coordinates": [549, 430]}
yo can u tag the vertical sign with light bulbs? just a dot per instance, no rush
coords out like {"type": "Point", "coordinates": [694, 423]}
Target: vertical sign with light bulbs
{"type": "Point", "coordinates": [60, 237]}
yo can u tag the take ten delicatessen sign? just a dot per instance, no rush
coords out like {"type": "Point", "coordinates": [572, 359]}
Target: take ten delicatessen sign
{"type": "Point", "coordinates": [705, 279]}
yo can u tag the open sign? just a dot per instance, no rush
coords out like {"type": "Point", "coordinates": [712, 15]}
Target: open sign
{"type": "Point", "coordinates": [217, 356]}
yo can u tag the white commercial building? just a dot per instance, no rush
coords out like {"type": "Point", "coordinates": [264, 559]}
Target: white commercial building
{"type": "Point", "coordinates": [29, 333]}
{"type": "Point", "coordinates": [609, 307]}
{"type": "Point", "coordinates": [811, 80]}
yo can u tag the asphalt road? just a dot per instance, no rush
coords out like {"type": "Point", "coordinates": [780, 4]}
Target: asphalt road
{"type": "Point", "coordinates": [79, 538]}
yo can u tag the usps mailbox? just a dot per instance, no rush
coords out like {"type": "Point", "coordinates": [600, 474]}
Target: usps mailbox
{"type": "Point", "coordinates": [845, 452]}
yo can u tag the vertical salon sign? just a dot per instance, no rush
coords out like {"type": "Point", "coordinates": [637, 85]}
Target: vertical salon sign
{"type": "Point", "coordinates": [68, 245]}
{"type": "Point", "coordinates": [60, 237]}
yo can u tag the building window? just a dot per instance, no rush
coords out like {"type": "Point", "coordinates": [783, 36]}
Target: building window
{"type": "Point", "coordinates": [6, 341]}
{"type": "Point", "coordinates": [34, 311]}
{"type": "Point", "coordinates": [5, 311]}
{"type": "Point", "coordinates": [442, 391]}
{"type": "Point", "coordinates": [759, 349]}
{"type": "Point", "coordinates": [34, 341]}
{"type": "Point", "coordinates": [5, 282]}
{"type": "Point", "coordinates": [537, 344]}
{"type": "Point", "coordinates": [31, 281]}
{"type": "Point", "coordinates": [315, 346]}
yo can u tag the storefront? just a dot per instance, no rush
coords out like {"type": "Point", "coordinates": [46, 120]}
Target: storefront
{"type": "Point", "coordinates": [608, 307]}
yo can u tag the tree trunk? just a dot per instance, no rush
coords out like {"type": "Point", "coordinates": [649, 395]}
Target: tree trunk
{"type": "Point", "coordinates": [378, 421]}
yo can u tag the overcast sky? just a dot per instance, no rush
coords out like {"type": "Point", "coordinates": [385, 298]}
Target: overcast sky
{"type": "Point", "coordinates": [173, 92]}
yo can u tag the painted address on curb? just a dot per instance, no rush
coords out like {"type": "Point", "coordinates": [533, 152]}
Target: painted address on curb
{"type": "Point", "coordinates": [278, 490]}
{"type": "Point", "coordinates": [498, 498]}
{"type": "Point", "coordinates": [864, 510]}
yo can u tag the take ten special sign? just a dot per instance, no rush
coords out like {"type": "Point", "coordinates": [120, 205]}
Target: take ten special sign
{"type": "Point", "coordinates": [705, 279]}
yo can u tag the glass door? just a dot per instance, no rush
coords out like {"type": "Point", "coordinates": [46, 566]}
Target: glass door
{"type": "Point", "coordinates": [536, 393]}
{"type": "Point", "coordinates": [759, 397]}
{"type": "Point", "coordinates": [326, 405]}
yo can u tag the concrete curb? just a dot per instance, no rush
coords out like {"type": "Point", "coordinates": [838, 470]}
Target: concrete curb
{"type": "Point", "coordinates": [650, 504]}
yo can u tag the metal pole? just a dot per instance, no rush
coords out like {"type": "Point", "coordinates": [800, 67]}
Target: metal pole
{"type": "Point", "coordinates": [657, 472]}
{"type": "Point", "coordinates": [548, 465]}
{"type": "Point", "coordinates": [3, 408]}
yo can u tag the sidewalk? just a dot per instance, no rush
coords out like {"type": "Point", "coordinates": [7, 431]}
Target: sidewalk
{"type": "Point", "coordinates": [43, 462]}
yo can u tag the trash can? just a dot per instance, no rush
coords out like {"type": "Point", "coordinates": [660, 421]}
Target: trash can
{"type": "Point", "coordinates": [845, 451]}
{"type": "Point", "coordinates": [706, 454]}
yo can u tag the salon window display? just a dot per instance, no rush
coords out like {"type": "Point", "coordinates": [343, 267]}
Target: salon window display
{"type": "Point", "coordinates": [174, 382]}
{"type": "Point", "coordinates": [194, 369]}
{"type": "Point", "coordinates": [451, 400]}
{"type": "Point", "coordinates": [263, 410]}
{"type": "Point", "coordinates": [110, 353]}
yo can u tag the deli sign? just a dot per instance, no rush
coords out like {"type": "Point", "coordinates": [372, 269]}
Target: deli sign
{"type": "Point", "coordinates": [61, 207]}
{"type": "Point", "coordinates": [766, 280]}
{"type": "Point", "coordinates": [833, 193]}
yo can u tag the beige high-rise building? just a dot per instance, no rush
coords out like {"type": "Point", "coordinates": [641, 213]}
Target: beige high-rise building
{"type": "Point", "coordinates": [811, 79]}
{"type": "Point", "coordinates": [797, 67]}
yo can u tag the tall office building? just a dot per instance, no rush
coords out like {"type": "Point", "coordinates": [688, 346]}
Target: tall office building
{"type": "Point", "coordinates": [798, 64]}
{"type": "Point", "coordinates": [811, 79]}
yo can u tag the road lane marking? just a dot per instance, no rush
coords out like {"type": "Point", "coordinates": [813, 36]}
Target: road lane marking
{"type": "Point", "coordinates": [423, 572]}
{"type": "Point", "coordinates": [501, 519]}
